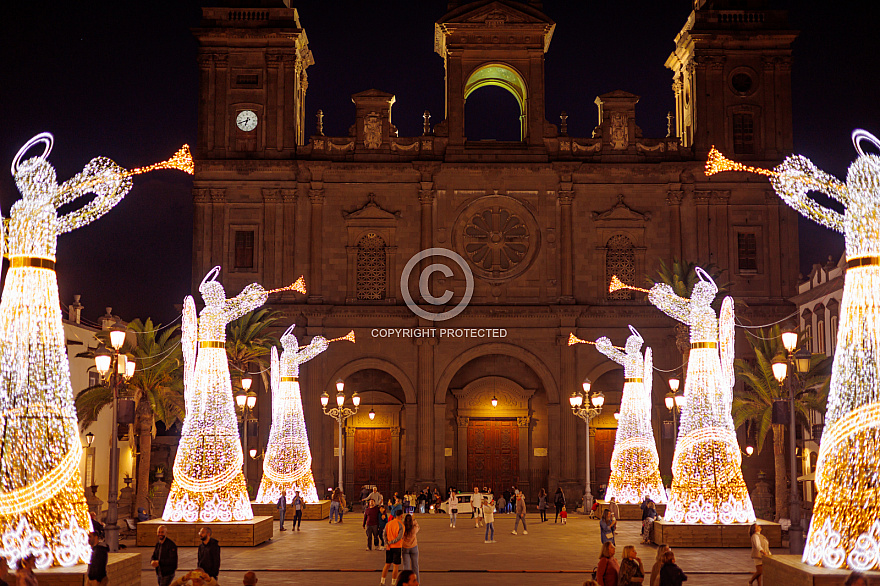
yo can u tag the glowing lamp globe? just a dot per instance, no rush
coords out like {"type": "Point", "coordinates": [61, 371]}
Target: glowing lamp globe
{"type": "Point", "coordinates": [129, 369]}
{"type": "Point", "coordinates": [251, 400]}
{"type": "Point", "coordinates": [340, 399]}
{"type": "Point", "coordinates": [253, 453]}
{"type": "Point", "coordinates": [122, 364]}
{"type": "Point", "coordinates": [340, 385]}
{"type": "Point", "coordinates": [802, 359]}
{"type": "Point", "coordinates": [102, 360]}
{"type": "Point", "coordinates": [780, 369]}
{"type": "Point", "coordinates": [789, 340]}
{"type": "Point", "coordinates": [494, 401]}
{"type": "Point", "coordinates": [246, 383]}
{"type": "Point", "coordinates": [670, 401]}
{"type": "Point", "coordinates": [117, 337]}
{"type": "Point", "coordinates": [680, 400]}
{"type": "Point", "coordinates": [90, 437]}
{"type": "Point", "coordinates": [372, 414]}
{"type": "Point", "coordinates": [576, 400]}
{"type": "Point", "coordinates": [356, 399]}
{"type": "Point", "coordinates": [674, 384]}
{"type": "Point", "coordinates": [598, 400]}
{"type": "Point", "coordinates": [587, 385]}
{"type": "Point", "coordinates": [240, 400]}
{"type": "Point", "coordinates": [617, 416]}
{"type": "Point", "coordinates": [325, 399]}
{"type": "Point", "coordinates": [750, 450]}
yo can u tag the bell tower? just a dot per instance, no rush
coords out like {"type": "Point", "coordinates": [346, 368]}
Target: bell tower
{"type": "Point", "coordinates": [494, 42]}
{"type": "Point", "coordinates": [252, 80]}
{"type": "Point", "coordinates": [732, 79]}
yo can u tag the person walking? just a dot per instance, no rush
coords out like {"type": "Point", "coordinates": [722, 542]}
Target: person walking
{"type": "Point", "coordinates": [452, 508]}
{"type": "Point", "coordinates": [563, 515]}
{"type": "Point", "coordinates": [334, 505]}
{"type": "Point", "coordinates": [299, 505]}
{"type": "Point", "coordinates": [209, 553]}
{"type": "Point", "coordinates": [164, 557]}
{"type": "Point", "coordinates": [670, 574]}
{"type": "Point", "coordinates": [658, 564]}
{"type": "Point", "coordinates": [410, 544]}
{"type": "Point", "coordinates": [631, 572]}
{"type": "Point", "coordinates": [394, 531]}
{"type": "Point", "coordinates": [97, 570]}
{"type": "Point", "coordinates": [607, 526]}
{"type": "Point", "coordinates": [476, 507]}
{"type": "Point", "coordinates": [559, 501]}
{"type": "Point", "coordinates": [371, 524]}
{"type": "Point", "coordinates": [608, 568]}
{"type": "Point", "coordinates": [542, 504]}
{"type": "Point", "coordinates": [760, 548]}
{"type": "Point", "coordinates": [383, 521]}
{"type": "Point", "coordinates": [281, 505]}
{"type": "Point", "coordinates": [520, 508]}
{"type": "Point", "coordinates": [489, 518]}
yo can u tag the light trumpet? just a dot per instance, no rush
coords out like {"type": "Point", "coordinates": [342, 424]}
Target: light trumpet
{"type": "Point", "coordinates": [616, 285]}
{"type": "Point", "coordinates": [717, 163]}
{"type": "Point", "coordinates": [572, 340]}
{"type": "Point", "coordinates": [299, 286]}
{"type": "Point", "coordinates": [182, 161]}
{"type": "Point", "coordinates": [349, 337]}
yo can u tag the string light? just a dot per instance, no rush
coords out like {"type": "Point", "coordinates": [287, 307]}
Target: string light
{"type": "Point", "coordinates": [208, 481]}
{"type": "Point", "coordinates": [43, 510]}
{"type": "Point", "coordinates": [845, 528]}
{"type": "Point", "coordinates": [707, 485]}
{"type": "Point", "coordinates": [635, 471]}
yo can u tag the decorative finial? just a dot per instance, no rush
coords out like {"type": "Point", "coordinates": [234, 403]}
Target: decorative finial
{"type": "Point", "coordinates": [563, 123]}
{"type": "Point", "coordinates": [426, 129]}
{"type": "Point", "coordinates": [320, 117]}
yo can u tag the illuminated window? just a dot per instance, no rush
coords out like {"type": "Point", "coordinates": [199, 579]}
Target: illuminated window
{"type": "Point", "coordinates": [244, 249]}
{"type": "Point", "coordinates": [743, 134]}
{"type": "Point", "coordinates": [620, 260]}
{"type": "Point", "coordinates": [371, 271]}
{"type": "Point", "coordinates": [820, 335]}
{"type": "Point", "coordinates": [747, 252]}
{"type": "Point", "coordinates": [833, 333]}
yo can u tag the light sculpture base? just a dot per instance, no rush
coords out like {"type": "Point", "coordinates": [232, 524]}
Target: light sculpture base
{"type": "Point", "coordinates": [123, 569]}
{"type": "Point", "coordinates": [789, 569]}
{"type": "Point", "coordinates": [703, 535]}
{"type": "Point", "coordinates": [230, 534]}
{"type": "Point", "coordinates": [631, 512]}
{"type": "Point", "coordinates": [312, 512]}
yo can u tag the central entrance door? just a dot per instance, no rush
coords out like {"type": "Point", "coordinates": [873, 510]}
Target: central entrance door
{"type": "Point", "coordinates": [604, 450]}
{"type": "Point", "coordinates": [493, 454]}
{"type": "Point", "coordinates": [372, 459]}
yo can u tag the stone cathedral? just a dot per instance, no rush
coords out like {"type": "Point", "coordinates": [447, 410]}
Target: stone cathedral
{"type": "Point", "coordinates": [537, 226]}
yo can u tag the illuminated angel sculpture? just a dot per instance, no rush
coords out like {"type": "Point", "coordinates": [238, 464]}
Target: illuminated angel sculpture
{"type": "Point", "coordinates": [635, 470]}
{"type": "Point", "coordinates": [288, 461]}
{"type": "Point", "coordinates": [208, 481]}
{"type": "Point", "coordinates": [42, 507]}
{"type": "Point", "coordinates": [845, 529]}
{"type": "Point", "coordinates": [707, 485]}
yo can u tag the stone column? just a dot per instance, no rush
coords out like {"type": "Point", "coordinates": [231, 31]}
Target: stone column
{"type": "Point", "coordinates": [555, 453]}
{"type": "Point", "coordinates": [565, 198]}
{"type": "Point", "coordinates": [205, 140]}
{"type": "Point", "coordinates": [461, 472]}
{"type": "Point", "coordinates": [274, 104]}
{"type": "Point", "coordinates": [440, 445]}
{"type": "Point", "coordinates": [313, 286]}
{"type": "Point", "coordinates": [287, 248]}
{"type": "Point", "coordinates": [271, 238]}
{"type": "Point", "coordinates": [673, 200]}
{"type": "Point", "coordinates": [426, 438]}
{"type": "Point", "coordinates": [218, 228]}
{"type": "Point", "coordinates": [523, 482]}
{"type": "Point", "coordinates": [720, 238]}
{"type": "Point", "coordinates": [221, 116]}
{"type": "Point", "coordinates": [568, 427]}
{"type": "Point", "coordinates": [201, 233]}
{"type": "Point", "coordinates": [348, 432]}
{"type": "Point", "coordinates": [395, 460]}
{"type": "Point", "coordinates": [701, 199]}
{"type": "Point", "coordinates": [411, 439]}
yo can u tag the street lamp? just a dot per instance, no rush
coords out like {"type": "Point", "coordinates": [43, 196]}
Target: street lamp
{"type": "Point", "coordinates": [115, 370]}
{"type": "Point", "coordinates": [674, 402]}
{"type": "Point", "coordinates": [340, 414]}
{"type": "Point", "coordinates": [245, 401]}
{"type": "Point", "coordinates": [587, 413]}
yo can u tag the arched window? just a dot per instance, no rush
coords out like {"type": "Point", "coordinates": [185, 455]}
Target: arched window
{"type": "Point", "coordinates": [371, 267]}
{"type": "Point", "coordinates": [493, 115]}
{"type": "Point", "coordinates": [620, 260]}
{"type": "Point", "coordinates": [819, 311]}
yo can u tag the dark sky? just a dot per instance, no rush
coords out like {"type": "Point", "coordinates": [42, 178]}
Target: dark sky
{"type": "Point", "coordinates": [119, 79]}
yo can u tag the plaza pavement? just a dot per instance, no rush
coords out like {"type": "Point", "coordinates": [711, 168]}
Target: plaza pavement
{"type": "Point", "coordinates": [549, 555]}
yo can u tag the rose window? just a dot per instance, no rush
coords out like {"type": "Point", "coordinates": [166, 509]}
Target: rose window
{"type": "Point", "coordinates": [496, 240]}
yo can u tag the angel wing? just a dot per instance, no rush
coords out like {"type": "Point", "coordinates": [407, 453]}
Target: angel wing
{"type": "Point", "coordinates": [2, 237]}
{"type": "Point", "coordinates": [275, 378]}
{"type": "Point", "coordinates": [648, 378]}
{"type": "Point", "coordinates": [189, 339]}
{"type": "Point", "coordinates": [726, 338]}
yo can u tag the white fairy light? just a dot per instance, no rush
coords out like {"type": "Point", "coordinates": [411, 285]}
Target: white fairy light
{"type": "Point", "coordinates": [635, 470]}
{"type": "Point", "coordinates": [288, 461]}
{"type": "Point", "coordinates": [707, 485]}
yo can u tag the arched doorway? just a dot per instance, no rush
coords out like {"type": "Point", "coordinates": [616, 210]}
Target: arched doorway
{"type": "Point", "coordinates": [502, 76]}
{"type": "Point", "coordinates": [604, 428]}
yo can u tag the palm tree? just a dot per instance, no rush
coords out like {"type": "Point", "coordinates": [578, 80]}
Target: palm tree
{"type": "Point", "coordinates": [754, 402]}
{"type": "Point", "coordinates": [157, 385]}
{"type": "Point", "coordinates": [248, 342]}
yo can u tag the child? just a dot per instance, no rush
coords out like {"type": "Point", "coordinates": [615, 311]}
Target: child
{"type": "Point", "coordinates": [383, 520]}
{"type": "Point", "coordinates": [563, 514]}
{"type": "Point", "coordinates": [488, 510]}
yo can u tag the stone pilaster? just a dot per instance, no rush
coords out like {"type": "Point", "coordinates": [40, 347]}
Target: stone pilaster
{"type": "Point", "coordinates": [565, 198]}
{"type": "Point", "coordinates": [316, 222]}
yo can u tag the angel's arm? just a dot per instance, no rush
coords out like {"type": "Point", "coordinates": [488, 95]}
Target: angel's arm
{"type": "Point", "coordinates": [102, 177]}
{"type": "Point", "coordinates": [726, 329]}
{"type": "Point", "coordinates": [604, 346]}
{"type": "Point", "coordinates": [317, 345]}
{"type": "Point", "coordinates": [664, 298]}
{"type": "Point", "coordinates": [252, 297]}
{"type": "Point", "coordinates": [796, 177]}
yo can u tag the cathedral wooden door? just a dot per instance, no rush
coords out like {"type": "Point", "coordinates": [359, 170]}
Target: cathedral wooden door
{"type": "Point", "coordinates": [372, 459]}
{"type": "Point", "coordinates": [493, 454]}
{"type": "Point", "coordinates": [602, 458]}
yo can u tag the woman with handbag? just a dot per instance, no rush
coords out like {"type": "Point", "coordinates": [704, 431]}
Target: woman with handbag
{"type": "Point", "coordinates": [608, 569]}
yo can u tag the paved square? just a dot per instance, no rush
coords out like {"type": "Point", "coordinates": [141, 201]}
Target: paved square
{"type": "Point", "coordinates": [550, 554]}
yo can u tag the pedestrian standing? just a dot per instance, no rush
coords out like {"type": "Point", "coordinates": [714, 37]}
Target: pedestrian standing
{"type": "Point", "coordinates": [476, 507]}
{"type": "Point", "coordinates": [489, 518]}
{"type": "Point", "coordinates": [209, 553]}
{"type": "Point", "coordinates": [542, 504]}
{"type": "Point", "coordinates": [343, 505]}
{"type": "Point", "coordinates": [506, 496]}
{"type": "Point", "coordinates": [164, 557]}
{"type": "Point", "coordinates": [649, 513]}
{"type": "Point", "coordinates": [614, 508]}
{"type": "Point", "coordinates": [658, 564]}
{"type": "Point", "coordinates": [760, 548]}
{"type": "Point", "coordinates": [97, 570]}
{"type": "Point", "coordinates": [520, 508]}
{"type": "Point", "coordinates": [422, 500]}
{"type": "Point", "coordinates": [394, 547]}
{"type": "Point", "coordinates": [365, 495]}
{"type": "Point", "coordinates": [631, 572]}
{"type": "Point", "coordinates": [334, 505]}
{"type": "Point", "coordinates": [281, 505]}
{"type": "Point", "coordinates": [563, 515]}
{"type": "Point", "coordinates": [607, 571]}
{"type": "Point", "coordinates": [559, 501]}
{"type": "Point", "coordinates": [371, 524]}
{"type": "Point", "coordinates": [502, 504]}
{"type": "Point", "coordinates": [670, 574]}
{"type": "Point", "coordinates": [452, 508]}
{"type": "Point", "coordinates": [607, 526]}
{"type": "Point", "coordinates": [299, 505]}
{"type": "Point", "coordinates": [383, 521]}
{"type": "Point", "coordinates": [25, 575]}
{"type": "Point", "coordinates": [410, 544]}
{"type": "Point", "coordinates": [376, 496]}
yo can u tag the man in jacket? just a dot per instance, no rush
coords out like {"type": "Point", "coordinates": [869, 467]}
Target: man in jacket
{"type": "Point", "coordinates": [97, 571]}
{"type": "Point", "coordinates": [281, 505]}
{"type": "Point", "coordinates": [298, 505]}
{"type": "Point", "coordinates": [209, 553]}
{"type": "Point", "coordinates": [164, 557]}
{"type": "Point", "coordinates": [371, 524]}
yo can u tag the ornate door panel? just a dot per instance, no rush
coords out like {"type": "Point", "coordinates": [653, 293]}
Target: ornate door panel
{"type": "Point", "coordinates": [602, 458]}
{"type": "Point", "coordinates": [493, 454]}
{"type": "Point", "coordinates": [372, 459]}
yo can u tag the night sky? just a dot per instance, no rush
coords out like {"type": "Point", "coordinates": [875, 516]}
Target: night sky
{"type": "Point", "coordinates": [119, 79]}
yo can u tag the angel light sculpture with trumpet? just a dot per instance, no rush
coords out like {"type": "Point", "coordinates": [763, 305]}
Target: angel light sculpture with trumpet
{"type": "Point", "coordinates": [208, 479]}
{"type": "Point", "coordinates": [635, 471]}
{"type": "Point", "coordinates": [288, 462]}
{"type": "Point", "coordinates": [845, 528]}
{"type": "Point", "coordinates": [707, 484]}
{"type": "Point", "coordinates": [42, 506]}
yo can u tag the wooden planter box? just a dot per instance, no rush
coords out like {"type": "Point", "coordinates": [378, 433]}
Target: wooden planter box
{"type": "Point", "coordinates": [231, 534]}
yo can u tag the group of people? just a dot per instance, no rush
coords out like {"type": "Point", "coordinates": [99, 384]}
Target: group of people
{"type": "Point", "coordinates": [630, 571]}
{"type": "Point", "coordinates": [164, 558]}
{"type": "Point", "coordinates": [396, 533]}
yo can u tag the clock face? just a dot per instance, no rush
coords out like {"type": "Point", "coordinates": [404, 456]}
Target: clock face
{"type": "Point", "coordinates": [246, 120]}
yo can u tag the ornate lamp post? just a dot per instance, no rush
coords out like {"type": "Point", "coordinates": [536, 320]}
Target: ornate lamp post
{"type": "Point", "coordinates": [674, 402]}
{"type": "Point", "coordinates": [587, 413]}
{"type": "Point", "coordinates": [245, 401]}
{"type": "Point", "coordinates": [115, 369]}
{"type": "Point", "coordinates": [340, 414]}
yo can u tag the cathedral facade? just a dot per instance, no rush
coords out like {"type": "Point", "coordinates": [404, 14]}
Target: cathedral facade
{"type": "Point", "coordinates": [525, 236]}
